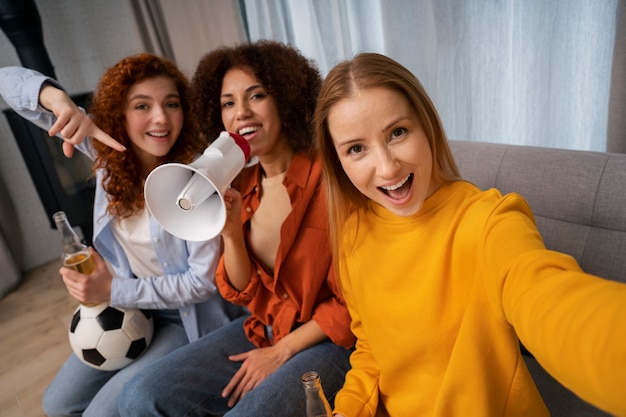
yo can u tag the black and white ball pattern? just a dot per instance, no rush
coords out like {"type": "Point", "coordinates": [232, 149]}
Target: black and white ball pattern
{"type": "Point", "coordinates": [110, 338]}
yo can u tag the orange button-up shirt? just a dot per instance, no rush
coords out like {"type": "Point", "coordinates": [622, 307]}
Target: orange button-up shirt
{"type": "Point", "coordinates": [302, 286]}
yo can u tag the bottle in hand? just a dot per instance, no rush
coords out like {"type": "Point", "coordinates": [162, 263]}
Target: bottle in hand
{"type": "Point", "coordinates": [75, 254]}
{"type": "Point", "coordinates": [316, 402]}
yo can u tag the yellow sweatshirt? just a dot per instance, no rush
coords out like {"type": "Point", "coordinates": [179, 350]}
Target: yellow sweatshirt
{"type": "Point", "coordinates": [439, 299]}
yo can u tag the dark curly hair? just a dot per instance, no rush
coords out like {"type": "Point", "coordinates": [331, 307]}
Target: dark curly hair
{"type": "Point", "coordinates": [289, 77]}
{"type": "Point", "coordinates": [123, 177]}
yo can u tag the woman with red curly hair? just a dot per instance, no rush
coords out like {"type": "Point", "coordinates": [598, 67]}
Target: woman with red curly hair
{"type": "Point", "coordinates": [142, 102]}
{"type": "Point", "coordinates": [277, 257]}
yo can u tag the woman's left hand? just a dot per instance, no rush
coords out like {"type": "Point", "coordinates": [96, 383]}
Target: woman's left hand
{"type": "Point", "coordinates": [257, 365]}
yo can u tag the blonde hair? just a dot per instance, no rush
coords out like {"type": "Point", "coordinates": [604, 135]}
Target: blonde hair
{"type": "Point", "coordinates": [364, 71]}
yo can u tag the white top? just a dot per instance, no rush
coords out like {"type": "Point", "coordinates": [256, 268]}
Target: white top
{"type": "Point", "coordinates": [133, 234]}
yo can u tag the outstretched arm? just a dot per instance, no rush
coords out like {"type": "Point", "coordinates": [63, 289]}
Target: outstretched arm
{"type": "Point", "coordinates": [41, 100]}
{"type": "Point", "coordinates": [72, 124]}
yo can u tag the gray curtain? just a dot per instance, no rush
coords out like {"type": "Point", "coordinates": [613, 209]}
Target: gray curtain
{"type": "Point", "coordinates": [152, 27]}
{"type": "Point", "coordinates": [616, 136]}
{"type": "Point", "coordinates": [533, 72]}
{"type": "Point", "coordinates": [186, 31]}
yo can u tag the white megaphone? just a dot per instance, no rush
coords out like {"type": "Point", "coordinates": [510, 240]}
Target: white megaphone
{"type": "Point", "coordinates": [188, 200]}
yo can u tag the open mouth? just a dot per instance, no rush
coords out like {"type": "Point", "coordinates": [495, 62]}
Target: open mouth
{"type": "Point", "coordinates": [248, 130]}
{"type": "Point", "coordinates": [400, 189]}
{"type": "Point", "coordinates": [158, 134]}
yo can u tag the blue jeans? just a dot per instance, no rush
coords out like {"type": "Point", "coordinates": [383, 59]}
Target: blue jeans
{"type": "Point", "coordinates": [189, 381]}
{"type": "Point", "coordinates": [79, 390]}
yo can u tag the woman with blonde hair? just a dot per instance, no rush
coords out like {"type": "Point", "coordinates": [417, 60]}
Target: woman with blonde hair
{"type": "Point", "coordinates": [442, 279]}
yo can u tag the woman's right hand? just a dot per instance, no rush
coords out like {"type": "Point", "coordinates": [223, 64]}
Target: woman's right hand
{"type": "Point", "coordinates": [232, 201]}
{"type": "Point", "coordinates": [72, 123]}
{"type": "Point", "coordinates": [93, 288]}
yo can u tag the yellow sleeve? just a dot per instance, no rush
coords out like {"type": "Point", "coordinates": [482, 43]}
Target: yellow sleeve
{"type": "Point", "coordinates": [359, 395]}
{"type": "Point", "coordinates": [573, 323]}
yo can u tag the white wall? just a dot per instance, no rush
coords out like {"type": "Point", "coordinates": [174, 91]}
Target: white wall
{"type": "Point", "coordinates": [83, 38]}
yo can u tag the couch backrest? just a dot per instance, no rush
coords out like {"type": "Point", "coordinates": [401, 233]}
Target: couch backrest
{"type": "Point", "coordinates": [578, 197]}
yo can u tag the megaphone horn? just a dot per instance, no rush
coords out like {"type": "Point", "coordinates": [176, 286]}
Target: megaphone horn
{"type": "Point", "coordinates": [188, 200]}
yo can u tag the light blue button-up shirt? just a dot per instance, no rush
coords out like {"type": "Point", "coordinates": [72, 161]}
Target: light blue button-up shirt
{"type": "Point", "coordinates": [188, 283]}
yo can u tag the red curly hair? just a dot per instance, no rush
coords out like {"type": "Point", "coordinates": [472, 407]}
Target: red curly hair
{"type": "Point", "coordinates": [123, 178]}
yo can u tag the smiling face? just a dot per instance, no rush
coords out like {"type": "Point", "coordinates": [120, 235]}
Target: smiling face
{"type": "Point", "coordinates": [153, 118]}
{"type": "Point", "coordinates": [383, 149]}
{"type": "Point", "coordinates": [249, 110]}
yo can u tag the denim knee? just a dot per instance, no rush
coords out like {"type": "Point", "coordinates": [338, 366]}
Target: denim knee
{"type": "Point", "coordinates": [53, 408]}
{"type": "Point", "coordinates": [135, 397]}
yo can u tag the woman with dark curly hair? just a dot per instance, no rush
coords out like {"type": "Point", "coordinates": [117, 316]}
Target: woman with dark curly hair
{"type": "Point", "coordinates": [142, 101]}
{"type": "Point", "coordinates": [276, 260]}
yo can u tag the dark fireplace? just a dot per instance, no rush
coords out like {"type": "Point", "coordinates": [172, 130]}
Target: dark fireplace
{"type": "Point", "coordinates": [62, 183]}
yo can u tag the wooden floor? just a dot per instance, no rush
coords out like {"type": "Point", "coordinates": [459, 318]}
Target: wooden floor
{"type": "Point", "coordinates": [34, 319]}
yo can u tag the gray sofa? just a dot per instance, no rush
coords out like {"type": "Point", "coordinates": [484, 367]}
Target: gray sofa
{"type": "Point", "coordinates": [579, 201]}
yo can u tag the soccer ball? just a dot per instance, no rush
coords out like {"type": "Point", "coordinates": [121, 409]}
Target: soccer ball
{"type": "Point", "coordinates": [109, 338]}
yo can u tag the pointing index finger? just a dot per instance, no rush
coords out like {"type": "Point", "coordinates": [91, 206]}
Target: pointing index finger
{"type": "Point", "coordinates": [102, 137]}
